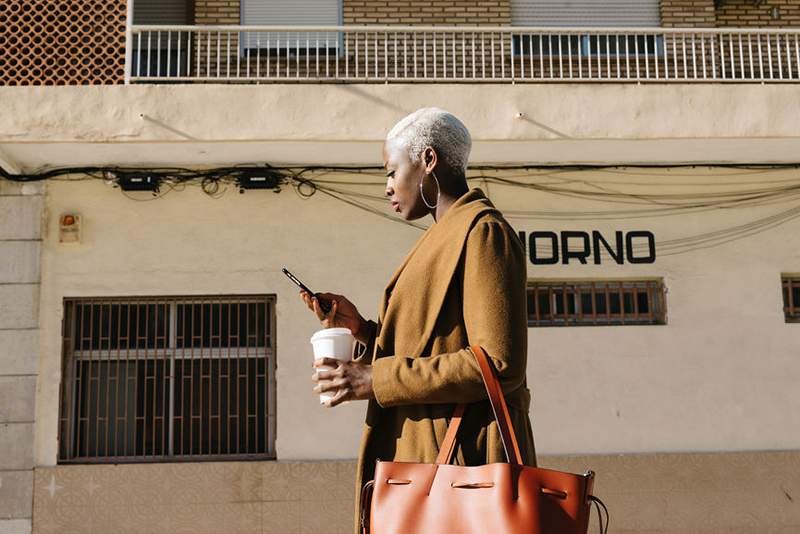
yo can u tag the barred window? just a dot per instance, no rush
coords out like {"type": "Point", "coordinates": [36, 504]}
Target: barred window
{"type": "Point", "coordinates": [167, 378]}
{"type": "Point", "coordinates": [791, 298]}
{"type": "Point", "coordinates": [577, 303]}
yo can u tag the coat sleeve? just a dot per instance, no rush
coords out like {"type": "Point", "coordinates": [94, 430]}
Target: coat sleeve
{"type": "Point", "coordinates": [362, 352]}
{"type": "Point", "coordinates": [495, 316]}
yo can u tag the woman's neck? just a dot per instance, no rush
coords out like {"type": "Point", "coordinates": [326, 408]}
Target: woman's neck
{"type": "Point", "coordinates": [446, 200]}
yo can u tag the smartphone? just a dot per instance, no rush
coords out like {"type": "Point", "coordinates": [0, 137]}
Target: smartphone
{"type": "Point", "coordinates": [324, 305]}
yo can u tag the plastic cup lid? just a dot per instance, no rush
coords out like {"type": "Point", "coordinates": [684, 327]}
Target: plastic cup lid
{"type": "Point", "coordinates": [331, 332]}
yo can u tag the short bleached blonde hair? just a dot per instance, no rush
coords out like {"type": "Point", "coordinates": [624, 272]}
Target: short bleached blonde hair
{"type": "Point", "coordinates": [436, 128]}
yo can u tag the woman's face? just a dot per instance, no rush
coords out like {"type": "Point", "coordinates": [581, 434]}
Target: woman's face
{"type": "Point", "coordinates": [402, 183]}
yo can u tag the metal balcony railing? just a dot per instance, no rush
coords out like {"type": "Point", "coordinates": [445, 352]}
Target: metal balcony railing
{"type": "Point", "coordinates": [441, 54]}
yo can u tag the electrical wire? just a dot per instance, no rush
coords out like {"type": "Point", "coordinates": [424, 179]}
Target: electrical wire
{"type": "Point", "coordinates": [629, 200]}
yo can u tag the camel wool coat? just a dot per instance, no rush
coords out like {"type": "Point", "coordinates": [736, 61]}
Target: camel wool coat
{"type": "Point", "coordinates": [463, 283]}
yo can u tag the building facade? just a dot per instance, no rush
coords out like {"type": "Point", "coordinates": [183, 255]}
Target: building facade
{"type": "Point", "coordinates": [155, 362]}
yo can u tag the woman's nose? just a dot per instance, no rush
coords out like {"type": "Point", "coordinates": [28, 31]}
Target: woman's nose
{"type": "Point", "coordinates": [389, 188]}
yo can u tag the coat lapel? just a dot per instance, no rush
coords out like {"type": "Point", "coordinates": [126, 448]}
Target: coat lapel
{"type": "Point", "coordinates": [390, 286]}
{"type": "Point", "coordinates": [414, 296]}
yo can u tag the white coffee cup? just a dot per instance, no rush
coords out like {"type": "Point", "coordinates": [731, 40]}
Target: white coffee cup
{"type": "Point", "coordinates": [332, 343]}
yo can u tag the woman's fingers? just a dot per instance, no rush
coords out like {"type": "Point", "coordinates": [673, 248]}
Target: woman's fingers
{"type": "Point", "coordinates": [307, 299]}
{"type": "Point", "coordinates": [322, 375]}
{"type": "Point", "coordinates": [330, 385]}
{"type": "Point", "coordinates": [320, 314]}
{"type": "Point", "coordinates": [327, 362]}
{"type": "Point", "coordinates": [343, 395]}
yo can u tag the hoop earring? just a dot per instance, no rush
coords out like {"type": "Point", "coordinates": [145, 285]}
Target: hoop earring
{"type": "Point", "coordinates": [438, 191]}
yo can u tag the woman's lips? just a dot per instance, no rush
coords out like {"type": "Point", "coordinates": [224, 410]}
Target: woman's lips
{"type": "Point", "coordinates": [395, 206]}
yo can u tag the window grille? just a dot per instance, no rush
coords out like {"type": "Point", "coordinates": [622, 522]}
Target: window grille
{"type": "Point", "coordinates": [168, 379]}
{"type": "Point", "coordinates": [791, 298]}
{"type": "Point", "coordinates": [576, 303]}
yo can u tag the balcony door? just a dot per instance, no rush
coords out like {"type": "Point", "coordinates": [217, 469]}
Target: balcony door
{"type": "Point", "coordinates": [162, 50]}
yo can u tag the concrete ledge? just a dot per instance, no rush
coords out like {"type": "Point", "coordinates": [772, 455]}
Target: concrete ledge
{"type": "Point", "coordinates": [20, 307]}
{"type": "Point", "coordinates": [19, 262]}
{"type": "Point", "coordinates": [18, 352]}
{"type": "Point", "coordinates": [20, 217]}
{"type": "Point", "coordinates": [711, 493]}
{"type": "Point", "coordinates": [17, 399]}
{"type": "Point", "coordinates": [16, 494]}
{"type": "Point", "coordinates": [15, 526]}
{"type": "Point", "coordinates": [16, 444]}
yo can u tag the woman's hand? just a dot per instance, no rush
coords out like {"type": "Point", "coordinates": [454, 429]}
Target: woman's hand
{"type": "Point", "coordinates": [348, 380]}
{"type": "Point", "coordinates": [343, 312]}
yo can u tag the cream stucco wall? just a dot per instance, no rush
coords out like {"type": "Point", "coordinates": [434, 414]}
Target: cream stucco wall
{"type": "Point", "coordinates": [720, 376]}
{"type": "Point", "coordinates": [346, 123]}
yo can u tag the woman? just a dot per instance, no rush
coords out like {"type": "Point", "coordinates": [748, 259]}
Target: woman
{"type": "Point", "coordinates": [463, 283]}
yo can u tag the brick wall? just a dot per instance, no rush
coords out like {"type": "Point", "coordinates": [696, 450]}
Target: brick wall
{"type": "Point", "coordinates": [730, 13]}
{"type": "Point", "coordinates": [743, 13]}
{"type": "Point", "coordinates": [216, 11]}
{"type": "Point", "coordinates": [688, 13]}
{"type": "Point", "coordinates": [414, 12]}
{"type": "Point", "coordinates": [674, 13]}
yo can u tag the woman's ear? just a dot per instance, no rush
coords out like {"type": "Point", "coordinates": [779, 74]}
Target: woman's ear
{"type": "Point", "coordinates": [429, 157]}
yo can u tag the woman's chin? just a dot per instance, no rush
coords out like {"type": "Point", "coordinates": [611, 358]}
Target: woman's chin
{"type": "Point", "coordinates": [412, 216]}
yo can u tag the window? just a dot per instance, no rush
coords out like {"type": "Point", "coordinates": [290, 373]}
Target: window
{"type": "Point", "coordinates": [294, 13]}
{"type": "Point", "coordinates": [587, 13]}
{"type": "Point", "coordinates": [156, 50]}
{"type": "Point", "coordinates": [791, 298]}
{"type": "Point", "coordinates": [582, 13]}
{"type": "Point", "coordinates": [153, 379]}
{"type": "Point", "coordinates": [630, 302]}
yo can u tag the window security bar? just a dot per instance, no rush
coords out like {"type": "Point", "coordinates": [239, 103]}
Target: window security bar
{"type": "Point", "coordinates": [791, 298]}
{"type": "Point", "coordinates": [381, 54]}
{"type": "Point", "coordinates": [630, 302]}
{"type": "Point", "coordinates": [167, 379]}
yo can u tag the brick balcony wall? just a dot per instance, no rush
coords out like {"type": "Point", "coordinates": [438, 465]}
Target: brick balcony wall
{"type": "Point", "coordinates": [688, 13]}
{"type": "Point", "coordinates": [217, 11]}
{"type": "Point", "coordinates": [730, 14]}
{"type": "Point", "coordinates": [743, 13]}
{"type": "Point", "coordinates": [414, 12]}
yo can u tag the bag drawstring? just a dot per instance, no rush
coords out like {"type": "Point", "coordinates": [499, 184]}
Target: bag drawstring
{"type": "Point", "coordinates": [601, 507]}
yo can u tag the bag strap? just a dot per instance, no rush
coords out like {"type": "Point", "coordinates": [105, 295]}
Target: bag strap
{"type": "Point", "coordinates": [499, 407]}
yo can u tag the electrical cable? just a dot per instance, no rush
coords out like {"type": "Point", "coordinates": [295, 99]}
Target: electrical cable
{"type": "Point", "coordinates": [567, 181]}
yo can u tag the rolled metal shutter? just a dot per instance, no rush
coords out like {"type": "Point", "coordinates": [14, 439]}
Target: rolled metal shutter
{"type": "Point", "coordinates": [585, 13]}
{"type": "Point", "coordinates": [160, 12]}
{"type": "Point", "coordinates": [291, 13]}
{"type": "Point", "coordinates": [297, 12]}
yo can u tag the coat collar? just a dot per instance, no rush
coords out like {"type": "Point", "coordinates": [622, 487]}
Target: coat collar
{"type": "Point", "coordinates": [457, 209]}
{"type": "Point", "coordinates": [430, 265]}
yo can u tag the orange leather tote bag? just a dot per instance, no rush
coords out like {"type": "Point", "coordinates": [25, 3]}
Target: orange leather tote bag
{"type": "Point", "coordinates": [411, 498]}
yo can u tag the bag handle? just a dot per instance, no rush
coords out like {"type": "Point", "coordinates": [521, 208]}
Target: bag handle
{"type": "Point", "coordinates": [499, 407]}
